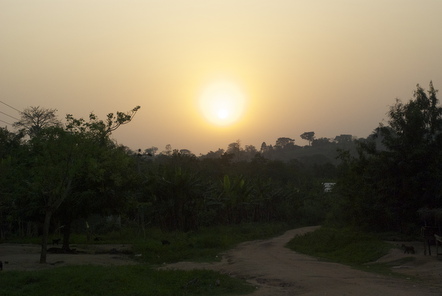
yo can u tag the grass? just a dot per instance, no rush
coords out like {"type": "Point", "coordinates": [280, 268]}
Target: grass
{"type": "Point", "coordinates": [351, 247]}
{"type": "Point", "coordinates": [143, 280]}
{"type": "Point", "coordinates": [345, 246]}
{"type": "Point", "coordinates": [204, 245]}
{"type": "Point", "coordinates": [138, 280]}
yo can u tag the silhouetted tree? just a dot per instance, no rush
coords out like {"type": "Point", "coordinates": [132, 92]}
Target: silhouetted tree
{"type": "Point", "coordinates": [168, 151]}
{"type": "Point", "coordinates": [384, 186]}
{"type": "Point", "coordinates": [284, 142]}
{"type": "Point", "coordinates": [321, 142]}
{"type": "Point", "coordinates": [308, 136]}
{"type": "Point", "coordinates": [61, 157]}
{"type": "Point", "coordinates": [213, 154]}
{"type": "Point", "coordinates": [186, 152]}
{"type": "Point", "coordinates": [152, 151]}
{"type": "Point", "coordinates": [33, 119]}
{"type": "Point", "coordinates": [234, 148]}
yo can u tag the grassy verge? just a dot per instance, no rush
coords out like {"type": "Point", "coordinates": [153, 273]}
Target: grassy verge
{"type": "Point", "coordinates": [204, 245]}
{"type": "Point", "coordinates": [137, 280]}
{"type": "Point", "coordinates": [345, 246]}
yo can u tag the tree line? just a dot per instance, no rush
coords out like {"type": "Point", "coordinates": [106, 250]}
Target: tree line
{"type": "Point", "coordinates": [319, 150]}
{"type": "Point", "coordinates": [394, 182]}
{"type": "Point", "coordinates": [54, 174]}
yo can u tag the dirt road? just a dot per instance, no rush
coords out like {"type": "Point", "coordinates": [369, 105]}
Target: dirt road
{"type": "Point", "coordinates": [276, 271]}
{"type": "Point", "coordinates": [268, 265]}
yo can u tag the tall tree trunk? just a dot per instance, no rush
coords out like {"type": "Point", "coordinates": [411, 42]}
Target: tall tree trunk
{"type": "Point", "coordinates": [44, 239]}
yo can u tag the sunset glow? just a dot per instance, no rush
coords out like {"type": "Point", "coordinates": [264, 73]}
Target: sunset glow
{"type": "Point", "coordinates": [222, 103]}
{"type": "Point", "coordinates": [209, 73]}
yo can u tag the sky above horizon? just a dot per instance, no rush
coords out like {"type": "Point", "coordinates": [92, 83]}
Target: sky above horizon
{"type": "Point", "coordinates": [207, 73]}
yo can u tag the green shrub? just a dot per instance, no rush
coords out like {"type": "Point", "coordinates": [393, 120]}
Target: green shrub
{"type": "Point", "coordinates": [346, 246]}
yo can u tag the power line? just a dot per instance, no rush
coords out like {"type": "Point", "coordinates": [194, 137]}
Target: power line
{"type": "Point", "coordinates": [5, 122]}
{"type": "Point", "coordinates": [10, 106]}
{"type": "Point", "coordinates": [9, 115]}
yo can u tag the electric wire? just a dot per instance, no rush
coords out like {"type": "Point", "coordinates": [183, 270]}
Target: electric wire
{"type": "Point", "coordinates": [5, 122]}
{"type": "Point", "coordinates": [9, 115]}
{"type": "Point", "coordinates": [10, 106]}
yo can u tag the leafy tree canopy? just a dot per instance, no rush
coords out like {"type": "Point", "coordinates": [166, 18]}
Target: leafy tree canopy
{"type": "Point", "coordinates": [388, 182]}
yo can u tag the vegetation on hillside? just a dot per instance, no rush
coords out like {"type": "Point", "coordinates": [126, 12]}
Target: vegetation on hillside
{"type": "Point", "coordinates": [59, 178]}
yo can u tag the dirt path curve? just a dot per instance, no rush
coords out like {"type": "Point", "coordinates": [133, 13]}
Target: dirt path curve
{"type": "Point", "coordinates": [276, 271]}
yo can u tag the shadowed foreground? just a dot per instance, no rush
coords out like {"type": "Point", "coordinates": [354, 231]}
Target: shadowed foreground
{"type": "Point", "coordinates": [276, 270]}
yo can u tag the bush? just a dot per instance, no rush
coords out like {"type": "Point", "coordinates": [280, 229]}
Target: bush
{"type": "Point", "coordinates": [347, 246]}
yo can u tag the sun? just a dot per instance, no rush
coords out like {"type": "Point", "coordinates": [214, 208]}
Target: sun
{"type": "Point", "coordinates": [222, 103]}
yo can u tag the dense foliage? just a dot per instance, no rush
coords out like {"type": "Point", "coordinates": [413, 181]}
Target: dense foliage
{"type": "Point", "coordinates": [61, 177]}
{"type": "Point", "coordinates": [58, 176]}
{"type": "Point", "coordinates": [397, 172]}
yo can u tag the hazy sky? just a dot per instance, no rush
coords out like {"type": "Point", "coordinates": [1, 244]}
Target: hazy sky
{"type": "Point", "coordinates": [332, 67]}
